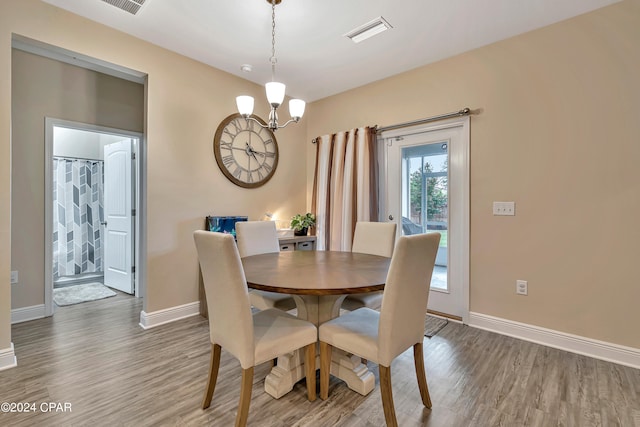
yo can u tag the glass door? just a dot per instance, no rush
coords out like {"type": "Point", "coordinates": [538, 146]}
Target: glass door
{"type": "Point", "coordinates": [425, 198]}
{"type": "Point", "coordinates": [426, 183]}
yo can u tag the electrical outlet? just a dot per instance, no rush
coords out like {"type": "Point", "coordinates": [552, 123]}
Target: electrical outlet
{"type": "Point", "coordinates": [521, 287]}
{"type": "Point", "coordinates": [14, 277]}
{"type": "Point", "coordinates": [504, 208]}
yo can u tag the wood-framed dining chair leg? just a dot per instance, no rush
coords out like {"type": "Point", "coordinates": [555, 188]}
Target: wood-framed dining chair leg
{"type": "Point", "coordinates": [418, 358]}
{"type": "Point", "coordinates": [310, 370]}
{"type": "Point", "coordinates": [325, 369]}
{"type": "Point", "coordinates": [245, 397]}
{"type": "Point", "coordinates": [214, 364]}
{"type": "Point", "coordinates": [387, 396]}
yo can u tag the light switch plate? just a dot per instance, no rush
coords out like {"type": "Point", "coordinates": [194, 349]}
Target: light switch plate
{"type": "Point", "coordinates": [14, 277]}
{"type": "Point", "coordinates": [504, 208]}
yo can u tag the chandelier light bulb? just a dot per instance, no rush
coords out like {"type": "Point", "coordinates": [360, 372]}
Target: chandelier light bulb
{"type": "Point", "coordinates": [296, 108]}
{"type": "Point", "coordinates": [275, 93]}
{"type": "Point", "coordinates": [245, 105]}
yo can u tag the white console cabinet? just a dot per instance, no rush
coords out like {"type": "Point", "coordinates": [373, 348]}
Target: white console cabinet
{"type": "Point", "coordinates": [298, 243]}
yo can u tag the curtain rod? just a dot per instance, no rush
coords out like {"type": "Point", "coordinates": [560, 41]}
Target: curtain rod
{"type": "Point", "coordinates": [464, 112]}
{"type": "Point", "coordinates": [77, 158]}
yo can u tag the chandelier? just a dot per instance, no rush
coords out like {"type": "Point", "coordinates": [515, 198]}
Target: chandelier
{"type": "Point", "coordinates": [275, 90]}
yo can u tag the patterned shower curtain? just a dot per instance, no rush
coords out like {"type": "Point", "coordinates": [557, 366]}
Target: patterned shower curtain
{"type": "Point", "coordinates": [77, 216]}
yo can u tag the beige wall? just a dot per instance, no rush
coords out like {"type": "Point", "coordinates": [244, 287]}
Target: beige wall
{"type": "Point", "coordinates": [42, 88]}
{"type": "Point", "coordinates": [186, 101]}
{"type": "Point", "coordinates": [558, 134]}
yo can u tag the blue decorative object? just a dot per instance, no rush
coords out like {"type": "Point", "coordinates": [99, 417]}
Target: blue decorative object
{"type": "Point", "coordinates": [224, 224]}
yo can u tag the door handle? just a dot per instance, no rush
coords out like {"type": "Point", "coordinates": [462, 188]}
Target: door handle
{"type": "Point", "coordinates": [103, 223]}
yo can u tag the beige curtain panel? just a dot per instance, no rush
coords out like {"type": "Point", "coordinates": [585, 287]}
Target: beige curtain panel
{"type": "Point", "coordinates": [345, 186]}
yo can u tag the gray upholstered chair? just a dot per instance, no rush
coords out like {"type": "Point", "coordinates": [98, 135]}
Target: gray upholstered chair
{"type": "Point", "coordinates": [260, 237]}
{"type": "Point", "coordinates": [251, 338]}
{"type": "Point", "coordinates": [381, 336]}
{"type": "Point", "coordinates": [374, 238]}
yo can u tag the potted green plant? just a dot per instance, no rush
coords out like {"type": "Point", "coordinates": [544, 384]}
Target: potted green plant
{"type": "Point", "coordinates": [301, 223]}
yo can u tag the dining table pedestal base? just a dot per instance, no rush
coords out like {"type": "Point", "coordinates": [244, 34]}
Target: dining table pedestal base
{"type": "Point", "coordinates": [288, 371]}
{"type": "Point", "coordinates": [289, 368]}
{"type": "Point", "coordinates": [351, 370]}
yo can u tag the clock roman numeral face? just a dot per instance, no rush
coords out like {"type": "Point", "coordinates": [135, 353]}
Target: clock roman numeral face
{"type": "Point", "coordinates": [246, 153]}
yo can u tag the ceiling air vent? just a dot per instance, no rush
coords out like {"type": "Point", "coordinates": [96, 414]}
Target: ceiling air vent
{"type": "Point", "coordinates": [368, 30]}
{"type": "Point", "coordinates": [131, 6]}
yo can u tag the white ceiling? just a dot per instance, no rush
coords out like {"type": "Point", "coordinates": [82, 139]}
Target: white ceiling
{"type": "Point", "coordinates": [315, 60]}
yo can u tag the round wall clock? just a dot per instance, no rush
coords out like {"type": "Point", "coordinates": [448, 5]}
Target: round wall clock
{"type": "Point", "coordinates": [246, 153]}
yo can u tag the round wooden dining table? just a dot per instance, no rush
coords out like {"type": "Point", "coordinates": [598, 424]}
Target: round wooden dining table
{"type": "Point", "coordinates": [318, 281]}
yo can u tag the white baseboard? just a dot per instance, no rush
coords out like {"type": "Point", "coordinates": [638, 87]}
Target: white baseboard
{"type": "Point", "coordinates": [25, 314]}
{"type": "Point", "coordinates": [160, 317]}
{"type": "Point", "coordinates": [8, 358]}
{"type": "Point", "coordinates": [615, 353]}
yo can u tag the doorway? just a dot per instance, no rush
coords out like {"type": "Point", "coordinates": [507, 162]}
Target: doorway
{"type": "Point", "coordinates": [91, 226]}
{"type": "Point", "coordinates": [427, 190]}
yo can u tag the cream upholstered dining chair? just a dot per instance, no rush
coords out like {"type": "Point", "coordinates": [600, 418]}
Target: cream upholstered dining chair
{"type": "Point", "coordinates": [261, 237]}
{"type": "Point", "coordinates": [381, 336]}
{"type": "Point", "coordinates": [251, 338]}
{"type": "Point", "coordinates": [374, 238]}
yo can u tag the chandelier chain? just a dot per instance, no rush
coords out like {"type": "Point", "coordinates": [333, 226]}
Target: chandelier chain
{"type": "Point", "coordinates": [273, 40]}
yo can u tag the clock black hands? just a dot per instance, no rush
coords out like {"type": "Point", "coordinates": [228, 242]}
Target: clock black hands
{"type": "Point", "coordinates": [251, 152]}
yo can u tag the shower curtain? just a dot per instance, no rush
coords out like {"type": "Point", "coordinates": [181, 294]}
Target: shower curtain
{"type": "Point", "coordinates": [77, 216]}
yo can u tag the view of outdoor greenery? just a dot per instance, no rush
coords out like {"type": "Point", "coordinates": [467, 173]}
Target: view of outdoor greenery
{"type": "Point", "coordinates": [436, 195]}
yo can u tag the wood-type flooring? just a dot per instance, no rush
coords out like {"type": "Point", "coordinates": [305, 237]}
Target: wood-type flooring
{"type": "Point", "coordinates": [95, 357]}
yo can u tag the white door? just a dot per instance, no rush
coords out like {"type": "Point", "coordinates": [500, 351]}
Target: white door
{"type": "Point", "coordinates": [118, 227]}
{"type": "Point", "coordinates": [427, 191]}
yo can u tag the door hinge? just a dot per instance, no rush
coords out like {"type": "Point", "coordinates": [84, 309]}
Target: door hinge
{"type": "Point", "coordinates": [133, 212]}
{"type": "Point", "coordinates": [133, 268]}
{"type": "Point", "coordinates": [133, 156]}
